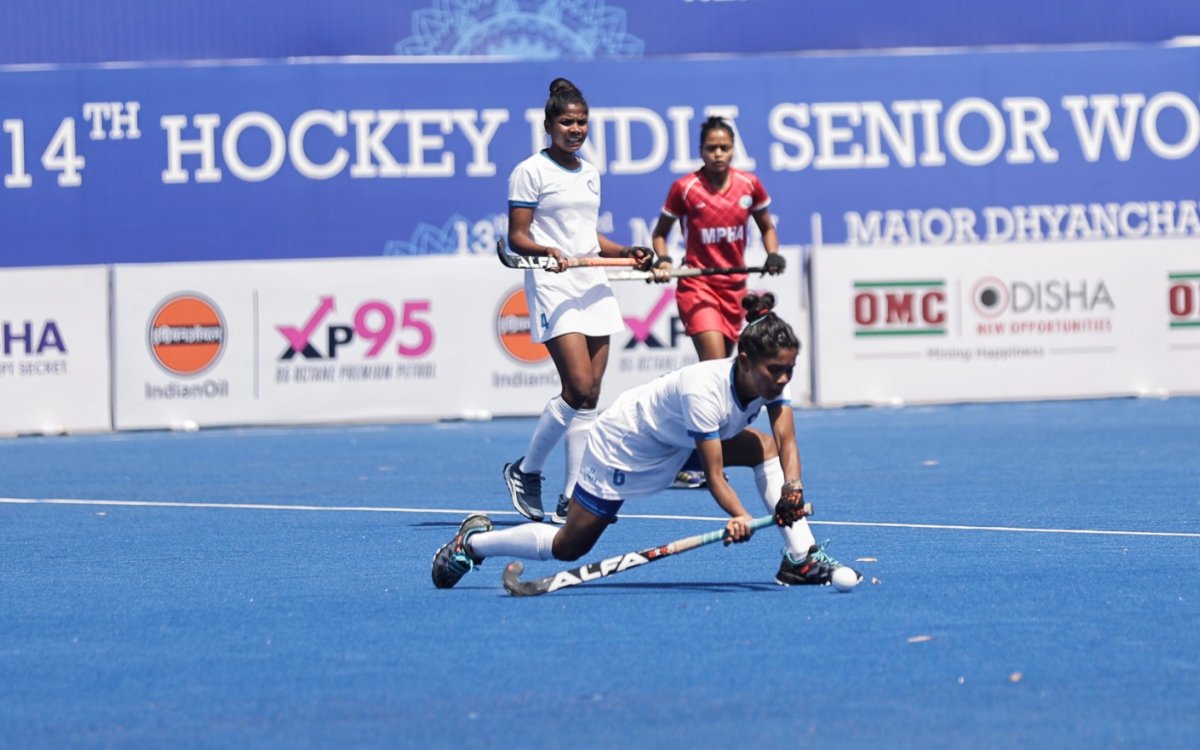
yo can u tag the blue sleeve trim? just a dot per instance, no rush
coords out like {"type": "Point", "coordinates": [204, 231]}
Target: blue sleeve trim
{"type": "Point", "coordinates": [523, 204]}
{"type": "Point", "coordinates": [704, 435]}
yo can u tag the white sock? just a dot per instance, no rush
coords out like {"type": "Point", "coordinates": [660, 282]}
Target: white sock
{"type": "Point", "coordinates": [574, 442]}
{"type": "Point", "coordinates": [551, 426]}
{"type": "Point", "coordinates": [529, 541]}
{"type": "Point", "coordinates": [768, 477]}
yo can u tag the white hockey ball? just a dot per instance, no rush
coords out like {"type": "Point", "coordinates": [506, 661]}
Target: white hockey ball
{"type": "Point", "coordinates": [845, 579]}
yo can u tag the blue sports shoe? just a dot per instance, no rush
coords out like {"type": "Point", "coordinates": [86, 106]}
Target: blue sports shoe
{"type": "Point", "coordinates": [455, 559]}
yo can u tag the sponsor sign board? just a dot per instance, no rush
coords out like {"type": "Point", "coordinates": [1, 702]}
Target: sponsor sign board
{"type": "Point", "coordinates": [54, 350]}
{"type": "Point", "coordinates": [367, 340]}
{"type": "Point", "coordinates": [978, 323]}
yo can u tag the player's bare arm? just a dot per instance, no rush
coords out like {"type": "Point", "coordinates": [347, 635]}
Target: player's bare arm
{"type": "Point", "coordinates": [770, 239]}
{"type": "Point", "coordinates": [783, 427]}
{"type": "Point", "coordinates": [658, 241]}
{"type": "Point", "coordinates": [610, 249]}
{"type": "Point", "coordinates": [713, 461]}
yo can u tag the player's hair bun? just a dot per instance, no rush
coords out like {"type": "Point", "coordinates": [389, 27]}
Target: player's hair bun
{"type": "Point", "coordinates": [757, 305]}
{"type": "Point", "coordinates": [561, 86]}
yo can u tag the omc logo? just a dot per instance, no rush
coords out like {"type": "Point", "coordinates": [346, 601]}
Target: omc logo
{"type": "Point", "coordinates": [900, 308]}
{"type": "Point", "coordinates": [514, 330]}
{"type": "Point", "coordinates": [186, 334]}
{"type": "Point", "coordinates": [1183, 300]}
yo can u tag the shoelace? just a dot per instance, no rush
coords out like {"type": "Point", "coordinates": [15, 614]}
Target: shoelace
{"type": "Point", "coordinates": [460, 561]}
{"type": "Point", "coordinates": [821, 557]}
{"type": "Point", "coordinates": [529, 481]}
{"type": "Point", "coordinates": [461, 556]}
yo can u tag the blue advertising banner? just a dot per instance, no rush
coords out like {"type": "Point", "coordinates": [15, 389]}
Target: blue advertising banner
{"type": "Point", "coordinates": [87, 31]}
{"type": "Point", "coordinates": [133, 164]}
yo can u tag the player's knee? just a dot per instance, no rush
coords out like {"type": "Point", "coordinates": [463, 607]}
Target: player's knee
{"type": "Point", "coordinates": [581, 395]}
{"type": "Point", "coordinates": [749, 448]}
{"type": "Point", "coordinates": [569, 549]}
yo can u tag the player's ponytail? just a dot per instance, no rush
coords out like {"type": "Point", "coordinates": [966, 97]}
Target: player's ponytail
{"type": "Point", "coordinates": [765, 332]}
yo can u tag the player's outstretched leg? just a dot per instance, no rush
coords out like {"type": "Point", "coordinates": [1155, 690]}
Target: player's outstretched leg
{"type": "Point", "coordinates": [525, 489]}
{"type": "Point", "coordinates": [455, 559]}
{"type": "Point", "coordinates": [814, 569]}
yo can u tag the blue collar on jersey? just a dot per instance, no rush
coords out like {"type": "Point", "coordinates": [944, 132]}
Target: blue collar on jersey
{"type": "Point", "coordinates": [546, 153]}
{"type": "Point", "coordinates": [733, 386]}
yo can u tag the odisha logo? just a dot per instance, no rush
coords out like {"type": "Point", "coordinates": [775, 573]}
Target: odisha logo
{"type": "Point", "coordinates": [993, 297]}
{"type": "Point", "coordinates": [531, 30]}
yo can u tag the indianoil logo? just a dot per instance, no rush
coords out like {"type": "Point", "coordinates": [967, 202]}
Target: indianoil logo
{"type": "Point", "coordinates": [187, 334]}
{"type": "Point", "coordinates": [514, 330]}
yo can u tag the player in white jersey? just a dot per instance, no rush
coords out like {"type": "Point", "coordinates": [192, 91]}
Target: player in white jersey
{"type": "Point", "coordinates": [564, 205]}
{"type": "Point", "coordinates": [637, 445]}
{"type": "Point", "coordinates": [650, 432]}
{"type": "Point", "coordinates": [553, 210]}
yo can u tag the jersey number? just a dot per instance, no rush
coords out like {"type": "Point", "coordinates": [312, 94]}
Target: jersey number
{"type": "Point", "coordinates": [618, 477]}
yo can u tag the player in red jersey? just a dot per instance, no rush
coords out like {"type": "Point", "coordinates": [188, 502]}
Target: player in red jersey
{"type": "Point", "coordinates": [713, 206]}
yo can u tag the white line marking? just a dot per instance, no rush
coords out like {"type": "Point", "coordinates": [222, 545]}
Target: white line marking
{"type": "Point", "coordinates": [643, 516]}
{"type": "Point", "coordinates": [241, 506]}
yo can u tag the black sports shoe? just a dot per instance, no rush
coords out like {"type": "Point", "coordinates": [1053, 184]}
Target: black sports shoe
{"type": "Point", "coordinates": [560, 510]}
{"type": "Point", "coordinates": [454, 559]}
{"type": "Point", "coordinates": [814, 569]}
{"type": "Point", "coordinates": [525, 489]}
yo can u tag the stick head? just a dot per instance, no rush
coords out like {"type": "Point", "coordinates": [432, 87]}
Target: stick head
{"type": "Point", "coordinates": [515, 586]}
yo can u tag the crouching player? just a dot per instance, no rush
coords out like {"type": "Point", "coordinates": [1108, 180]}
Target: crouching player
{"type": "Point", "coordinates": [639, 444]}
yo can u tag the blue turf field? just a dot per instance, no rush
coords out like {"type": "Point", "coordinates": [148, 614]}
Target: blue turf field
{"type": "Point", "coordinates": [1015, 607]}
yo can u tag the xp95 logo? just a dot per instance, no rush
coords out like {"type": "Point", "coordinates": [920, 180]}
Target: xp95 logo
{"type": "Point", "coordinates": [382, 327]}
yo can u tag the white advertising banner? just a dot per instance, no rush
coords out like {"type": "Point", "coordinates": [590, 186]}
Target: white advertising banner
{"type": "Point", "coordinates": [1178, 339]}
{"type": "Point", "coordinates": [288, 342]}
{"type": "Point", "coordinates": [54, 353]}
{"type": "Point", "coordinates": [291, 342]}
{"type": "Point", "coordinates": [1006, 322]}
{"type": "Point", "coordinates": [515, 377]}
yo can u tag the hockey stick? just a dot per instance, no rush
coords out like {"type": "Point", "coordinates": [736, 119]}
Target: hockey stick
{"type": "Point", "coordinates": [616, 564]}
{"type": "Point", "coordinates": [679, 273]}
{"type": "Point", "coordinates": [512, 260]}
